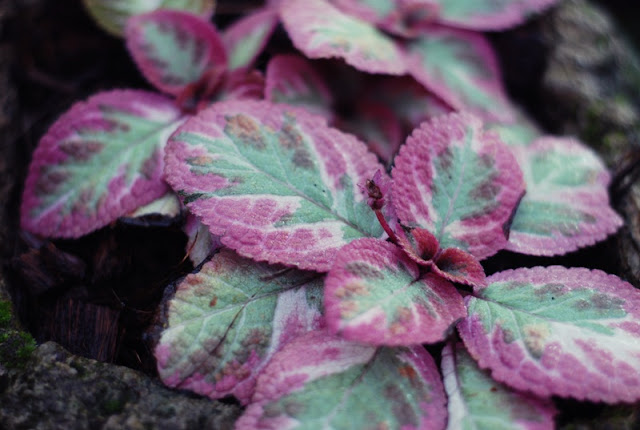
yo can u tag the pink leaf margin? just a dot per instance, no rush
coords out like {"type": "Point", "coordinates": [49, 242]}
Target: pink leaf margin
{"type": "Point", "coordinates": [198, 28]}
{"type": "Point", "coordinates": [559, 372]}
{"type": "Point", "coordinates": [123, 198]}
{"type": "Point", "coordinates": [235, 35]}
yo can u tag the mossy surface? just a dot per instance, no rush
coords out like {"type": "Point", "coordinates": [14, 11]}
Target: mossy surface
{"type": "Point", "coordinates": [15, 346]}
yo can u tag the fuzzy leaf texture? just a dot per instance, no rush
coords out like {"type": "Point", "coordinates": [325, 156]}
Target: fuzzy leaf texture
{"type": "Point", "coordinates": [112, 15]}
{"type": "Point", "coordinates": [227, 321]}
{"type": "Point", "coordinates": [275, 182]}
{"type": "Point", "coordinates": [174, 49]}
{"type": "Point", "coordinates": [567, 201]}
{"type": "Point", "coordinates": [558, 331]}
{"type": "Point", "coordinates": [459, 182]}
{"type": "Point", "coordinates": [291, 79]}
{"type": "Point", "coordinates": [246, 38]}
{"type": "Point", "coordinates": [489, 15]}
{"type": "Point", "coordinates": [320, 30]}
{"type": "Point", "coordinates": [100, 160]}
{"type": "Point", "coordinates": [320, 381]}
{"type": "Point", "coordinates": [478, 402]}
{"type": "Point", "coordinates": [461, 68]}
{"type": "Point", "coordinates": [374, 294]}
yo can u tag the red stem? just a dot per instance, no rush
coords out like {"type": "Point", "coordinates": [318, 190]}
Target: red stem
{"type": "Point", "coordinates": [386, 226]}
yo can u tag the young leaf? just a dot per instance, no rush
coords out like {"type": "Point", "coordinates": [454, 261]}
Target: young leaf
{"type": "Point", "coordinates": [320, 381]}
{"type": "Point", "coordinates": [320, 30]}
{"type": "Point", "coordinates": [167, 206]}
{"type": "Point", "coordinates": [374, 294]}
{"type": "Point", "coordinates": [558, 331]}
{"type": "Point", "coordinates": [489, 15]}
{"type": "Point", "coordinates": [476, 401]}
{"type": "Point", "coordinates": [461, 68]}
{"type": "Point", "coordinates": [400, 17]}
{"type": "Point", "coordinates": [175, 49]}
{"type": "Point", "coordinates": [227, 321]}
{"type": "Point", "coordinates": [292, 79]}
{"type": "Point", "coordinates": [247, 37]}
{"type": "Point", "coordinates": [567, 203]}
{"type": "Point", "coordinates": [459, 182]}
{"type": "Point", "coordinates": [274, 181]}
{"type": "Point", "coordinates": [455, 265]}
{"type": "Point", "coordinates": [112, 15]}
{"type": "Point", "coordinates": [99, 161]}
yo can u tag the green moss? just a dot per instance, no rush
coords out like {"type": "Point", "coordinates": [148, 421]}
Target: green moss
{"type": "Point", "coordinates": [15, 346]}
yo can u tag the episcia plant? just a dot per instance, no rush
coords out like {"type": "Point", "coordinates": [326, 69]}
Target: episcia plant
{"type": "Point", "coordinates": [320, 274]}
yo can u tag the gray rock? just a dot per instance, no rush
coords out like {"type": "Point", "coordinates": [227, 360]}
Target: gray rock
{"type": "Point", "coordinates": [57, 390]}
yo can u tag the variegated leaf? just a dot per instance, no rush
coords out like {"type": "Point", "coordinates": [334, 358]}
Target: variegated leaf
{"type": "Point", "coordinates": [400, 17]}
{"type": "Point", "coordinates": [275, 182]}
{"type": "Point", "coordinates": [228, 320]}
{"type": "Point", "coordinates": [100, 160]}
{"type": "Point", "coordinates": [175, 49]}
{"type": "Point", "coordinates": [459, 182]}
{"type": "Point", "coordinates": [248, 36]}
{"type": "Point", "coordinates": [522, 132]}
{"type": "Point", "coordinates": [461, 68]}
{"type": "Point", "coordinates": [567, 203]}
{"type": "Point", "coordinates": [374, 294]}
{"type": "Point", "coordinates": [558, 331]}
{"type": "Point", "coordinates": [320, 30]}
{"type": "Point", "coordinates": [292, 79]}
{"type": "Point", "coordinates": [478, 402]}
{"type": "Point", "coordinates": [489, 15]}
{"type": "Point", "coordinates": [112, 15]}
{"type": "Point", "coordinates": [320, 381]}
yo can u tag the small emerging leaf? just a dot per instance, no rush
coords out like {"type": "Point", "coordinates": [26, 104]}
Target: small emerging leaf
{"type": "Point", "coordinates": [112, 15]}
{"type": "Point", "coordinates": [200, 242]}
{"type": "Point", "coordinates": [459, 182]}
{"type": "Point", "coordinates": [489, 15]}
{"type": "Point", "coordinates": [374, 294]}
{"type": "Point", "coordinates": [275, 182]}
{"type": "Point", "coordinates": [320, 30]}
{"type": "Point", "coordinates": [174, 49]}
{"type": "Point", "coordinates": [558, 331]}
{"type": "Point", "coordinates": [100, 160]}
{"type": "Point", "coordinates": [320, 381]}
{"type": "Point", "coordinates": [461, 68]}
{"type": "Point", "coordinates": [478, 402]}
{"type": "Point", "coordinates": [567, 202]}
{"type": "Point", "coordinates": [247, 37]}
{"type": "Point", "coordinates": [292, 79]}
{"type": "Point", "coordinates": [227, 321]}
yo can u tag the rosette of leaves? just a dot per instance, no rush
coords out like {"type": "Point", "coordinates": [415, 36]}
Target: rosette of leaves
{"type": "Point", "coordinates": [330, 272]}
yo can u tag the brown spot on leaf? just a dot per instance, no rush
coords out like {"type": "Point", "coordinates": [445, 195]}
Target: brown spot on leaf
{"type": "Point", "coordinates": [302, 158]}
{"type": "Point", "coordinates": [49, 181]}
{"type": "Point", "coordinates": [289, 137]}
{"type": "Point", "coordinates": [363, 270]}
{"type": "Point", "coordinates": [213, 301]}
{"type": "Point", "coordinates": [80, 150]}
{"type": "Point", "coordinates": [246, 130]}
{"type": "Point", "coordinates": [200, 160]}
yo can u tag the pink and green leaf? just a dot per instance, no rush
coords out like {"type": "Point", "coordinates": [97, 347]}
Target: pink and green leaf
{"type": "Point", "coordinates": [523, 132]}
{"type": "Point", "coordinates": [100, 160]}
{"type": "Point", "coordinates": [375, 294]}
{"type": "Point", "coordinates": [400, 17]}
{"type": "Point", "coordinates": [274, 181]}
{"type": "Point", "coordinates": [175, 49]}
{"type": "Point", "coordinates": [320, 30]}
{"type": "Point", "coordinates": [567, 203]}
{"type": "Point", "coordinates": [112, 15]}
{"type": "Point", "coordinates": [320, 381]}
{"type": "Point", "coordinates": [476, 401]}
{"type": "Point", "coordinates": [459, 182]}
{"type": "Point", "coordinates": [227, 321]}
{"type": "Point", "coordinates": [247, 37]}
{"type": "Point", "coordinates": [291, 79]}
{"type": "Point", "coordinates": [461, 68]}
{"type": "Point", "coordinates": [558, 331]}
{"type": "Point", "coordinates": [489, 15]}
